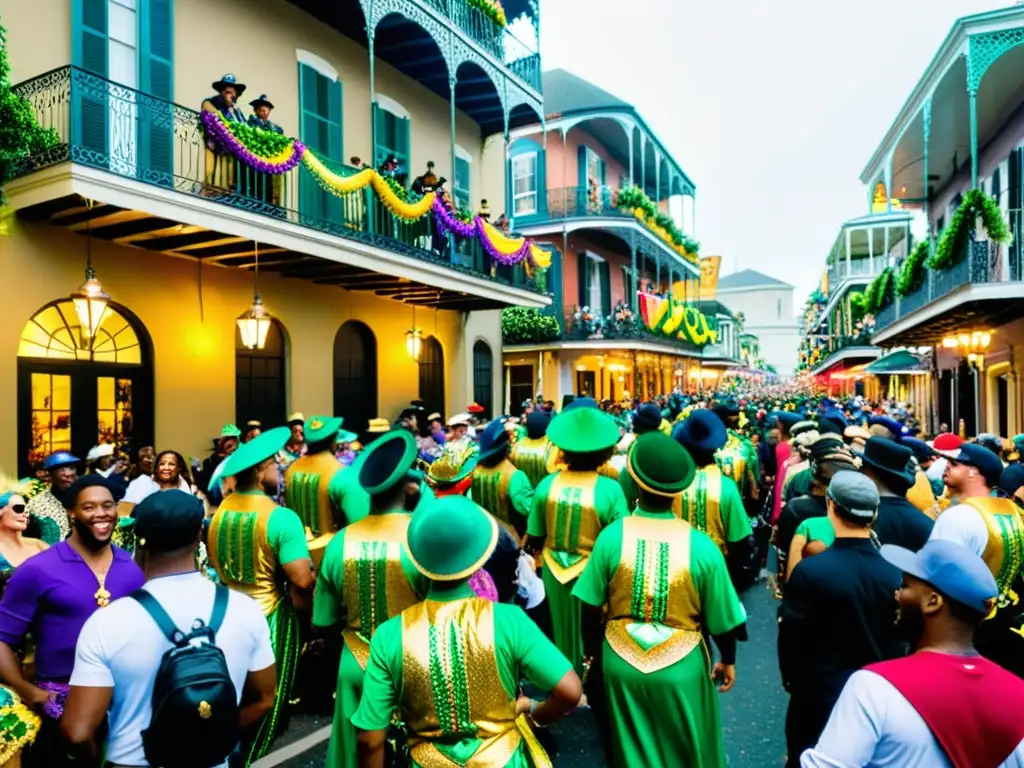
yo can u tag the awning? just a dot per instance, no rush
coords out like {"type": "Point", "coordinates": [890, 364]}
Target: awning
{"type": "Point", "coordinates": [898, 362]}
{"type": "Point", "coordinates": [855, 372]}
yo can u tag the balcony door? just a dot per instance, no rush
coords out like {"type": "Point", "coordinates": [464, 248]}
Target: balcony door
{"type": "Point", "coordinates": [122, 87]}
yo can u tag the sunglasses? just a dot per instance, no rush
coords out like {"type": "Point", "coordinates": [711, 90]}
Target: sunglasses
{"type": "Point", "coordinates": [18, 509]}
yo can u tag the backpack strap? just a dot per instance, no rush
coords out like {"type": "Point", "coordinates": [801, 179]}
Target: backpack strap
{"type": "Point", "coordinates": [155, 610]}
{"type": "Point", "coordinates": [220, 608]}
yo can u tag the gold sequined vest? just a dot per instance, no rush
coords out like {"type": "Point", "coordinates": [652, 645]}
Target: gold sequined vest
{"type": "Point", "coordinates": [451, 687]}
{"type": "Point", "coordinates": [239, 550]}
{"type": "Point", "coordinates": [375, 586]}
{"type": "Point", "coordinates": [1004, 552]}
{"type": "Point", "coordinates": [572, 523]}
{"type": "Point", "coordinates": [306, 484]}
{"type": "Point", "coordinates": [701, 505]}
{"type": "Point", "coordinates": [653, 605]}
{"type": "Point", "coordinates": [490, 489]}
{"type": "Point", "coordinates": [535, 456]}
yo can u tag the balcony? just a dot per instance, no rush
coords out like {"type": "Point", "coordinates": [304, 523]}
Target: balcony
{"type": "Point", "coordinates": [982, 291]}
{"type": "Point", "coordinates": [156, 190]}
{"type": "Point", "coordinates": [856, 347]}
{"type": "Point", "coordinates": [865, 269]}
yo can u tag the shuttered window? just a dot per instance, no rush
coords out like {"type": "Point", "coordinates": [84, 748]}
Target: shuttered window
{"type": "Point", "coordinates": [321, 131]}
{"type": "Point", "coordinates": [392, 138]}
{"type": "Point", "coordinates": [89, 52]}
{"type": "Point", "coordinates": [156, 78]}
{"type": "Point", "coordinates": [462, 185]}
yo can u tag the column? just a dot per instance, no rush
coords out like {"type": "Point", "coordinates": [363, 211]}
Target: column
{"type": "Point", "coordinates": [888, 182]}
{"type": "Point", "coordinates": [629, 141]}
{"type": "Point", "coordinates": [973, 95]}
{"type": "Point", "coordinates": [643, 162]}
{"type": "Point", "coordinates": [634, 300]}
{"type": "Point", "coordinates": [849, 235]}
{"type": "Point", "coordinates": [927, 122]}
{"type": "Point", "coordinates": [452, 80]}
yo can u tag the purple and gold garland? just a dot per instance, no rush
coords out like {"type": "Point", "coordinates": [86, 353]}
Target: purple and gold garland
{"type": "Point", "coordinates": [503, 250]}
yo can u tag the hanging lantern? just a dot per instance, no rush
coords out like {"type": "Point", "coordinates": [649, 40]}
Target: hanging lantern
{"type": "Point", "coordinates": [253, 325]}
{"type": "Point", "coordinates": [413, 342]}
{"type": "Point", "coordinates": [90, 305]}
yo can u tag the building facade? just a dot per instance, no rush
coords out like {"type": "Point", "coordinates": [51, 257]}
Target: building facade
{"type": "Point", "coordinates": [956, 149]}
{"type": "Point", "coordinates": [370, 308]}
{"type": "Point", "coordinates": [766, 305]}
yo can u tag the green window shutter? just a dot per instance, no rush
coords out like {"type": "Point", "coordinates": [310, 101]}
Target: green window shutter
{"type": "Point", "coordinates": [320, 114]}
{"type": "Point", "coordinates": [583, 278]}
{"type": "Point", "coordinates": [380, 134]}
{"type": "Point", "coordinates": [402, 130]}
{"type": "Point", "coordinates": [581, 182]}
{"type": "Point", "coordinates": [606, 288]}
{"type": "Point", "coordinates": [461, 187]}
{"type": "Point", "coordinates": [156, 119]}
{"type": "Point", "coordinates": [555, 283]}
{"type": "Point", "coordinates": [89, 134]}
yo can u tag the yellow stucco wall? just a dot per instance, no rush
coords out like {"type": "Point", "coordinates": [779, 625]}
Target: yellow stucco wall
{"type": "Point", "coordinates": [193, 338]}
{"type": "Point", "coordinates": [38, 36]}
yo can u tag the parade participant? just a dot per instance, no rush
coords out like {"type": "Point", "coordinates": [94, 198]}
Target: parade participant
{"type": "Point", "coordinates": [712, 503]}
{"type": "Point", "coordinates": [570, 508]}
{"type": "Point", "coordinates": [498, 486]}
{"type": "Point", "coordinates": [15, 547]}
{"type": "Point", "coordinates": [945, 705]}
{"type": "Point", "coordinates": [533, 453]}
{"type": "Point", "coordinates": [316, 487]}
{"type": "Point", "coordinates": [891, 468]}
{"type": "Point", "coordinates": [785, 421]}
{"type": "Point", "coordinates": [664, 583]}
{"type": "Point", "coordinates": [813, 536]}
{"type": "Point", "coordinates": [647, 419]}
{"type": "Point", "coordinates": [921, 493]}
{"type": "Point", "coordinates": [253, 429]}
{"type": "Point", "coordinates": [49, 503]}
{"type": "Point", "coordinates": [497, 645]}
{"type": "Point", "coordinates": [798, 478]}
{"type": "Point", "coordinates": [367, 578]}
{"type": "Point", "coordinates": [458, 427]}
{"type": "Point", "coordinates": [120, 650]}
{"type": "Point", "coordinates": [993, 529]}
{"type": "Point", "coordinates": [249, 540]}
{"type": "Point", "coordinates": [738, 457]}
{"type": "Point", "coordinates": [51, 595]}
{"type": "Point", "coordinates": [294, 449]}
{"type": "Point", "coordinates": [220, 165]}
{"type": "Point", "coordinates": [260, 118]}
{"type": "Point", "coordinates": [100, 460]}
{"type": "Point", "coordinates": [837, 613]}
{"type": "Point", "coordinates": [225, 445]}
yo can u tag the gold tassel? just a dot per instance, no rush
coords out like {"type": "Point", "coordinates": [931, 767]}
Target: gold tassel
{"type": "Point", "coordinates": [538, 757]}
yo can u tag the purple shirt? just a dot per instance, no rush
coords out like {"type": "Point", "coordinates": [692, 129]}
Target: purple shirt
{"type": "Point", "coordinates": [52, 594]}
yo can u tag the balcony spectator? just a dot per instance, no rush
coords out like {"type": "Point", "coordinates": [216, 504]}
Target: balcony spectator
{"type": "Point", "coordinates": [264, 186]}
{"type": "Point", "coordinates": [221, 168]}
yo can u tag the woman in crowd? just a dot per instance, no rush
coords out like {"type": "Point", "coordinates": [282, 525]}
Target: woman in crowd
{"type": "Point", "coordinates": [15, 547]}
{"type": "Point", "coordinates": [169, 472]}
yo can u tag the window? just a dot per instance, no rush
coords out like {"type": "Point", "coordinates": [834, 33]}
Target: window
{"type": "Point", "coordinates": [595, 167]}
{"type": "Point", "coordinates": [392, 133]}
{"type": "Point", "coordinates": [483, 373]}
{"type": "Point", "coordinates": [594, 282]}
{"type": "Point", "coordinates": [355, 375]}
{"type": "Point", "coordinates": [260, 379]}
{"type": "Point", "coordinates": [462, 186]}
{"type": "Point", "coordinates": [123, 42]}
{"type": "Point", "coordinates": [778, 310]}
{"type": "Point", "coordinates": [320, 130]}
{"type": "Point", "coordinates": [524, 184]}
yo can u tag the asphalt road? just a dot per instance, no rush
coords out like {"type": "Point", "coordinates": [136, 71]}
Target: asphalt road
{"type": "Point", "coordinates": [753, 713]}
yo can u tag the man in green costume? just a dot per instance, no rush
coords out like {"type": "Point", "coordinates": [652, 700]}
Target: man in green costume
{"type": "Point", "coordinates": [255, 546]}
{"type": "Point", "coordinates": [498, 487]}
{"type": "Point", "coordinates": [367, 578]}
{"type": "Point", "coordinates": [664, 584]}
{"type": "Point", "coordinates": [533, 452]}
{"type": "Point", "coordinates": [313, 484]}
{"type": "Point", "coordinates": [451, 665]}
{"type": "Point", "coordinates": [738, 457]}
{"type": "Point", "coordinates": [569, 510]}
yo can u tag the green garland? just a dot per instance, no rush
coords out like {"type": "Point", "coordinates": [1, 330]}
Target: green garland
{"type": "Point", "coordinates": [262, 143]}
{"type": "Point", "coordinates": [952, 245]}
{"type": "Point", "coordinates": [523, 325]}
{"type": "Point", "coordinates": [858, 306]}
{"type": "Point", "coordinates": [21, 137]}
{"type": "Point", "coordinates": [491, 9]}
{"type": "Point", "coordinates": [912, 272]}
{"type": "Point", "coordinates": [881, 292]}
{"type": "Point", "coordinates": [631, 198]}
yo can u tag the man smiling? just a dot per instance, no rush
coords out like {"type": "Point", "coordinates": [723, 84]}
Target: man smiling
{"type": "Point", "coordinates": [52, 599]}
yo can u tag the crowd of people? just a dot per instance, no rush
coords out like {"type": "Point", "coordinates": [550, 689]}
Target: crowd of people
{"type": "Point", "coordinates": [449, 587]}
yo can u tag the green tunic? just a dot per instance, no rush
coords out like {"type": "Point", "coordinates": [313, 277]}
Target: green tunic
{"type": "Point", "coordinates": [569, 510]}
{"type": "Point", "coordinates": [504, 491]}
{"type": "Point", "coordinates": [332, 608]}
{"type": "Point", "coordinates": [520, 651]}
{"type": "Point", "coordinates": [664, 583]}
{"type": "Point", "coordinates": [817, 529]}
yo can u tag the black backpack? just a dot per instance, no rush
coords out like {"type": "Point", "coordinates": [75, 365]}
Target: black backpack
{"type": "Point", "coordinates": [194, 723]}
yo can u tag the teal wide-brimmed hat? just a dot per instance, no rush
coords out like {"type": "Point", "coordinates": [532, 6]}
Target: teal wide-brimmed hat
{"type": "Point", "coordinates": [451, 538]}
{"type": "Point", "coordinates": [320, 428]}
{"type": "Point", "coordinates": [583, 430]}
{"type": "Point", "coordinates": [660, 465]}
{"type": "Point", "coordinates": [387, 461]}
{"type": "Point", "coordinates": [248, 455]}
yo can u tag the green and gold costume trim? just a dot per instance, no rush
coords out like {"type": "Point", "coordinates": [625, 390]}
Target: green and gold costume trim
{"type": "Point", "coordinates": [1004, 552]}
{"type": "Point", "coordinates": [572, 523]}
{"type": "Point", "coordinates": [490, 489]}
{"type": "Point", "coordinates": [534, 456]}
{"type": "Point", "coordinates": [239, 551]}
{"type": "Point", "coordinates": [285, 633]}
{"type": "Point", "coordinates": [654, 609]}
{"type": "Point", "coordinates": [701, 505]}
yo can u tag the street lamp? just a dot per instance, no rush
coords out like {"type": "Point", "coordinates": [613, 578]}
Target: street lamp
{"type": "Point", "coordinates": [90, 304]}
{"type": "Point", "coordinates": [254, 323]}
{"type": "Point", "coordinates": [414, 342]}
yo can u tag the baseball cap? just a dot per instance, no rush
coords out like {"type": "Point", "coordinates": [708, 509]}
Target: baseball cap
{"type": "Point", "coordinates": [981, 458]}
{"type": "Point", "coordinates": [947, 441]}
{"type": "Point", "coordinates": [168, 520]}
{"type": "Point", "coordinates": [855, 494]}
{"type": "Point", "coordinates": [951, 568]}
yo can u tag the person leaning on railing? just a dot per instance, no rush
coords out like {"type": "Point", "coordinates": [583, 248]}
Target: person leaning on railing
{"type": "Point", "coordinates": [221, 168]}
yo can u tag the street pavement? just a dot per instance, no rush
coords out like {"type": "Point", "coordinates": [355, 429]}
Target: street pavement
{"type": "Point", "coordinates": [753, 712]}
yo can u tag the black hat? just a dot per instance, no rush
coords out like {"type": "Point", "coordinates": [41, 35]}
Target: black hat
{"type": "Point", "coordinates": [891, 461]}
{"type": "Point", "coordinates": [537, 424]}
{"type": "Point", "coordinates": [1012, 479]}
{"type": "Point", "coordinates": [69, 496]}
{"type": "Point", "coordinates": [922, 451]}
{"type": "Point", "coordinates": [262, 101]}
{"type": "Point", "coordinates": [647, 418]}
{"type": "Point", "coordinates": [701, 432]}
{"type": "Point", "coordinates": [725, 409]}
{"type": "Point", "coordinates": [168, 520]}
{"type": "Point", "coordinates": [387, 461]}
{"type": "Point", "coordinates": [229, 80]}
{"type": "Point", "coordinates": [980, 458]}
{"type": "Point", "coordinates": [830, 426]}
{"type": "Point", "coordinates": [493, 439]}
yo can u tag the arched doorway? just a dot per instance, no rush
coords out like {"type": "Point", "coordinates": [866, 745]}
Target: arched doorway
{"type": "Point", "coordinates": [73, 395]}
{"type": "Point", "coordinates": [483, 377]}
{"type": "Point", "coordinates": [260, 380]}
{"type": "Point", "coordinates": [355, 375]}
{"type": "Point", "coordinates": [432, 375]}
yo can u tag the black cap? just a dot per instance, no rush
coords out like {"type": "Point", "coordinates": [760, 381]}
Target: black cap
{"type": "Point", "coordinates": [980, 458]}
{"type": "Point", "coordinates": [168, 520]}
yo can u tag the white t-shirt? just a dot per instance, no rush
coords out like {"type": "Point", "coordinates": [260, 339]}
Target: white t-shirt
{"type": "Point", "coordinates": [120, 647]}
{"type": "Point", "coordinates": [963, 525]}
{"type": "Point", "coordinates": [144, 485]}
{"type": "Point", "coordinates": [873, 726]}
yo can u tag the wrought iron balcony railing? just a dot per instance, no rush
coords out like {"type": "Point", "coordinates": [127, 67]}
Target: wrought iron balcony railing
{"type": "Point", "coordinates": [590, 326]}
{"type": "Point", "coordinates": [865, 268]}
{"type": "Point", "coordinates": [105, 125]}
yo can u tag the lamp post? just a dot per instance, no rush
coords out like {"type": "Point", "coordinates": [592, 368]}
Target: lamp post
{"type": "Point", "coordinates": [254, 323]}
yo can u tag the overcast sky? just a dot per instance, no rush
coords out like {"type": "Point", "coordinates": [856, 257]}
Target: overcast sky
{"type": "Point", "coordinates": [772, 108]}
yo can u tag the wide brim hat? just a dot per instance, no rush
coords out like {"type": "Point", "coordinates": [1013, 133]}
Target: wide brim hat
{"type": "Point", "coordinates": [460, 420]}
{"type": "Point", "coordinates": [262, 101]}
{"type": "Point", "coordinates": [229, 80]}
{"type": "Point", "coordinates": [59, 459]}
{"type": "Point", "coordinates": [387, 461]}
{"type": "Point", "coordinates": [493, 440]}
{"type": "Point", "coordinates": [249, 454]}
{"type": "Point", "coordinates": [579, 402]}
{"type": "Point", "coordinates": [583, 430]}
{"type": "Point", "coordinates": [456, 462]}
{"type": "Point", "coordinates": [320, 428]}
{"type": "Point", "coordinates": [378, 426]}
{"type": "Point", "coordinates": [647, 418]}
{"type": "Point", "coordinates": [892, 426]}
{"type": "Point", "coordinates": [703, 431]}
{"type": "Point", "coordinates": [890, 460]}
{"type": "Point", "coordinates": [296, 418]}
{"type": "Point", "coordinates": [230, 430]}
{"type": "Point", "coordinates": [660, 465]}
{"type": "Point", "coordinates": [451, 538]}
{"type": "Point", "coordinates": [98, 452]}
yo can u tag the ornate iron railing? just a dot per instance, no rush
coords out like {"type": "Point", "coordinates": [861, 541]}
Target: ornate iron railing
{"type": "Point", "coordinates": [573, 202]}
{"type": "Point", "coordinates": [522, 60]}
{"type": "Point", "coordinates": [105, 125]}
{"type": "Point", "coordinates": [577, 326]}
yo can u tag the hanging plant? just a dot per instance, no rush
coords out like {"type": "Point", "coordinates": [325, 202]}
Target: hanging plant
{"type": "Point", "coordinates": [881, 292]}
{"type": "Point", "coordinates": [523, 325]}
{"type": "Point", "coordinates": [491, 9]}
{"type": "Point", "coordinates": [952, 245]}
{"type": "Point", "coordinates": [913, 270]}
{"type": "Point", "coordinates": [646, 210]}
